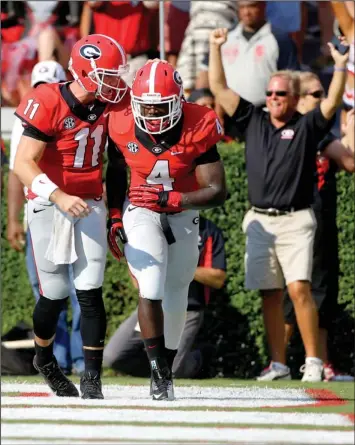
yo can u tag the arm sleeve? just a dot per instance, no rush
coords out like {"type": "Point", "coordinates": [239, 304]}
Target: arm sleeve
{"type": "Point", "coordinates": [287, 59]}
{"type": "Point", "coordinates": [242, 116]}
{"type": "Point", "coordinates": [116, 177]}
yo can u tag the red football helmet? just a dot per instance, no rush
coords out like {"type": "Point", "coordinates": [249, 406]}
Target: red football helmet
{"type": "Point", "coordinates": [156, 97]}
{"type": "Point", "coordinates": [97, 63]}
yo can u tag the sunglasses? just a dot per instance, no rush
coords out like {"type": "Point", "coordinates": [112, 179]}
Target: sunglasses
{"type": "Point", "coordinates": [316, 94]}
{"type": "Point", "coordinates": [277, 93]}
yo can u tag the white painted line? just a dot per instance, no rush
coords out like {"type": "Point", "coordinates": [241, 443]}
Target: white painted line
{"type": "Point", "coordinates": [102, 442]}
{"type": "Point", "coordinates": [161, 434]}
{"type": "Point", "coordinates": [235, 397]}
{"type": "Point", "coordinates": [168, 416]}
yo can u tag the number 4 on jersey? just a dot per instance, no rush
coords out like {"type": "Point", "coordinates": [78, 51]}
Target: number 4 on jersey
{"type": "Point", "coordinates": [160, 175]}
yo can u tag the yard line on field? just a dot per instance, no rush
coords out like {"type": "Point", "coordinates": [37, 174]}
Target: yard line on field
{"type": "Point", "coordinates": [202, 417]}
{"type": "Point", "coordinates": [185, 396]}
{"type": "Point", "coordinates": [162, 434]}
{"type": "Point", "coordinates": [107, 442]}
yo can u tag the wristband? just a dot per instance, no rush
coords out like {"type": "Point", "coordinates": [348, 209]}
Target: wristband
{"type": "Point", "coordinates": [42, 186]}
{"type": "Point", "coordinates": [342, 70]}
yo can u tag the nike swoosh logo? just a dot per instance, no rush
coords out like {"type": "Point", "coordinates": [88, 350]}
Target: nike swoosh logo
{"type": "Point", "coordinates": [105, 114]}
{"type": "Point", "coordinates": [131, 208]}
{"type": "Point", "coordinates": [174, 153]}
{"type": "Point", "coordinates": [38, 210]}
{"type": "Point", "coordinates": [152, 347]}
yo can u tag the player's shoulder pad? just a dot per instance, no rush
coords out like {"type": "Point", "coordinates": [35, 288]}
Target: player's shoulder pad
{"type": "Point", "coordinates": [39, 107]}
{"type": "Point", "coordinates": [122, 105]}
{"type": "Point", "coordinates": [120, 115]}
{"type": "Point", "coordinates": [203, 123]}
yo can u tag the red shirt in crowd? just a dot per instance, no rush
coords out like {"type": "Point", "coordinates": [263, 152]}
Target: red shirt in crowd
{"type": "Point", "coordinates": [133, 26]}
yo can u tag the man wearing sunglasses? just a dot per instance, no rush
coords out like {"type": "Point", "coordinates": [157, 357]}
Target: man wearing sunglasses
{"type": "Point", "coordinates": [281, 148]}
{"type": "Point", "coordinates": [333, 155]}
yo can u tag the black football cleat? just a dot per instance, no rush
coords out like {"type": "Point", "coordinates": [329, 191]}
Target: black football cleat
{"type": "Point", "coordinates": [90, 386]}
{"type": "Point", "coordinates": [55, 379]}
{"type": "Point", "coordinates": [161, 383]}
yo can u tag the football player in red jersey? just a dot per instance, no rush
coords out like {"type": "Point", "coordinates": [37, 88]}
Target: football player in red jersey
{"type": "Point", "coordinates": [59, 160]}
{"type": "Point", "coordinates": [170, 148]}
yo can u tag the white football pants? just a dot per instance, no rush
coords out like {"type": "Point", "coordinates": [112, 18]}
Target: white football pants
{"type": "Point", "coordinates": [90, 246]}
{"type": "Point", "coordinates": [163, 272]}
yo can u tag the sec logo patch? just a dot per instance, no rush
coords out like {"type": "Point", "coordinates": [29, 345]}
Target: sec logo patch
{"type": "Point", "coordinates": [132, 147]}
{"type": "Point", "coordinates": [69, 123]}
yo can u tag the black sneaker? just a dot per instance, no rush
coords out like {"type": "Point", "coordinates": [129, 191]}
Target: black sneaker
{"type": "Point", "coordinates": [56, 380]}
{"type": "Point", "coordinates": [90, 386]}
{"type": "Point", "coordinates": [161, 384]}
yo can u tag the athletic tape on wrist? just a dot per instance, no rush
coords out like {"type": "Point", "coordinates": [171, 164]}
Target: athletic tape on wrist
{"type": "Point", "coordinates": [42, 186]}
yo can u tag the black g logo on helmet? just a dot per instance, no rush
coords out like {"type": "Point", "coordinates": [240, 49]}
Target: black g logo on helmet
{"type": "Point", "coordinates": [177, 78]}
{"type": "Point", "coordinates": [89, 51]}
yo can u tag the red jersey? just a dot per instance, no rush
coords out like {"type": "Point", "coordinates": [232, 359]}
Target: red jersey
{"type": "Point", "coordinates": [75, 136]}
{"type": "Point", "coordinates": [170, 163]}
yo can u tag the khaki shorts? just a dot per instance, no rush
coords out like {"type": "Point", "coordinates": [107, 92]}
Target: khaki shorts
{"type": "Point", "coordinates": [279, 249]}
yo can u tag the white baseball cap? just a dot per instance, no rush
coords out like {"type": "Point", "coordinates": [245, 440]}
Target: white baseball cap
{"type": "Point", "coordinates": [48, 71]}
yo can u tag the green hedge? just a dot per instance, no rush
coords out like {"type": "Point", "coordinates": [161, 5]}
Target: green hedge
{"type": "Point", "coordinates": [234, 324]}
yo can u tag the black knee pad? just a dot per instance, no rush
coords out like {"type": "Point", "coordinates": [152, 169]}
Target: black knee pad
{"type": "Point", "coordinates": [93, 317]}
{"type": "Point", "coordinates": [45, 316]}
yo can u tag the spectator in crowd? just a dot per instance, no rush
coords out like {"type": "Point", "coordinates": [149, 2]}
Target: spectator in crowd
{"type": "Point", "coordinates": [177, 18]}
{"type": "Point", "coordinates": [204, 16]}
{"type": "Point", "coordinates": [331, 156]}
{"type": "Point", "coordinates": [132, 23]}
{"type": "Point", "coordinates": [202, 96]}
{"type": "Point", "coordinates": [281, 148]}
{"type": "Point", "coordinates": [252, 52]}
{"type": "Point", "coordinates": [289, 17]}
{"type": "Point", "coordinates": [125, 351]}
{"type": "Point", "coordinates": [325, 20]}
{"type": "Point", "coordinates": [68, 349]}
{"type": "Point", "coordinates": [47, 33]}
{"type": "Point", "coordinates": [344, 13]}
